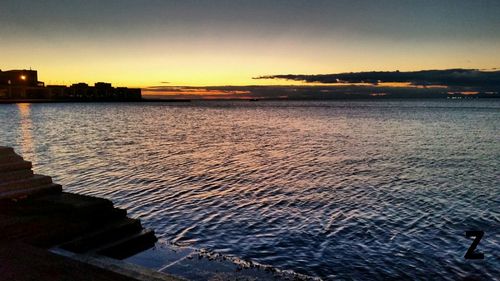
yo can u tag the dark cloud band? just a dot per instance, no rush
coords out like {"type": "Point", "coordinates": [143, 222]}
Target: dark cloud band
{"type": "Point", "coordinates": [448, 77]}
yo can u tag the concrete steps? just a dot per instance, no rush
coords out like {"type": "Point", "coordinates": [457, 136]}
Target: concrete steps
{"type": "Point", "coordinates": [118, 240]}
{"type": "Point", "coordinates": [15, 166]}
{"type": "Point", "coordinates": [17, 179]}
{"type": "Point", "coordinates": [75, 202]}
{"type": "Point", "coordinates": [96, 211]}
{"type": "Point", "coordinates": [14, 175]}
{"type": "Point", "coordinates": [109, 234]}
{"type": "Point", "coordinates": [30, 182]}
{"type": "Point", "coordinates": [77, 223]}
{"type": "Point", "coordinates": [32, 192]}
{"type": "Point", "coordinates": [6, 150]}
{"type": "Point", "coordinates": [10, 158]}
{"type": "Point", "coordinates": [129, 245]}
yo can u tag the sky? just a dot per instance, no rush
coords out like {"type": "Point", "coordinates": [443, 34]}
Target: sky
{"type": "Point", "coordinates": [228, 42]}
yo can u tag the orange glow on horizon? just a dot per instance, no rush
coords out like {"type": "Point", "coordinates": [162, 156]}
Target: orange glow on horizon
{"type": "Point", "coordinates": [206, 62]}
{"type": "Point", "coordinates": [192, 92]}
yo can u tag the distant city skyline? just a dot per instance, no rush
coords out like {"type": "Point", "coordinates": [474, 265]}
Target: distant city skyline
{"type": "Point", "coordinates": [218, 43]}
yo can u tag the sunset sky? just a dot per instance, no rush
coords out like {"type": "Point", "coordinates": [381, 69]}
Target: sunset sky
{"type": "Point", "coordinates": [209, 43]}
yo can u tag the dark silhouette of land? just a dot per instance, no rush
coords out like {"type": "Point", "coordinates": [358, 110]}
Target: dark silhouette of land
{"type": "Point", "coordinates": [23, 85]}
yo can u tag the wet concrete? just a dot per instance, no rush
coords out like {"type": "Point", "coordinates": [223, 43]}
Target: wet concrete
{"type": "Point", "coordinates": [198, 264]}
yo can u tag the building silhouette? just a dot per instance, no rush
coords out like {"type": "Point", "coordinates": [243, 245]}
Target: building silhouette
{"type": "Point", "coordinates": [20, 78]}
{"type": "Point", "coordinates": [24, 85]}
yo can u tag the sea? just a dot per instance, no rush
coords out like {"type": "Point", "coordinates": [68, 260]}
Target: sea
{"type": "Point", "coordinates": [337, 190]}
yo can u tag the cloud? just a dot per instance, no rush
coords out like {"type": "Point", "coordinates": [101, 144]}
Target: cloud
{"type": "Point", "coordinates": [448, 77]}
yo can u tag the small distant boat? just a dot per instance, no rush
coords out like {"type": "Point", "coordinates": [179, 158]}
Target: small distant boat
{"type": "Point", "coordinates": [253, 99]}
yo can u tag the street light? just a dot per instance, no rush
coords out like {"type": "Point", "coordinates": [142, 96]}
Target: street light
{"type": "Point", "coordinates": [23, 77]}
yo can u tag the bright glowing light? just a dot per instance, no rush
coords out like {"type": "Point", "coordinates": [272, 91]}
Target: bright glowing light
{"type": "Point", "coordinates": [23, 77]}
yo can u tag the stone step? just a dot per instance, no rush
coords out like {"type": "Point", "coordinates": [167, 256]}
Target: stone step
{"type": "Point", "coordinates": [118, 213]}
{"type": "Point", "coordinates": [33, 182]}
{"type": "Point", "coordinates": [128, 246]}
{"type": "Point", "coordinates": [15, 175]}
{"type": "Point", "coordinates": [9, 158]}
{"type": "Point", "coordinates": [19, 165]}
{"type": "Point", "coordinates": [70, 202]}
{"type": "Point", "coordinates": [112, 232]}
{"type": "Point", "coordinates": [32, 192]}
{"type": "Point", "coordinates": [83, 207]}
{"type": "Point", "coordinates": [6, 150]}
{"type": "Point", "coordinates": [77, 224]}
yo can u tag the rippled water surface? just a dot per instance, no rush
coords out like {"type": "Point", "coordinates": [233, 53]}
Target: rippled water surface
{"type": "Point", "coordinates": [329, 189]}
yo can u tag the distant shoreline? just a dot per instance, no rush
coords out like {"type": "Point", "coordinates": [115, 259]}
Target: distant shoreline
{"type": "Point", "coordinates": [87, 101]}
{"type": "Point", "coordinates": [156, 100]}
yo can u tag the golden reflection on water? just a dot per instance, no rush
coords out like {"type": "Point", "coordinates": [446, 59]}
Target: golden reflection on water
{"type": "Point", "coordinates": [25, 131]}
